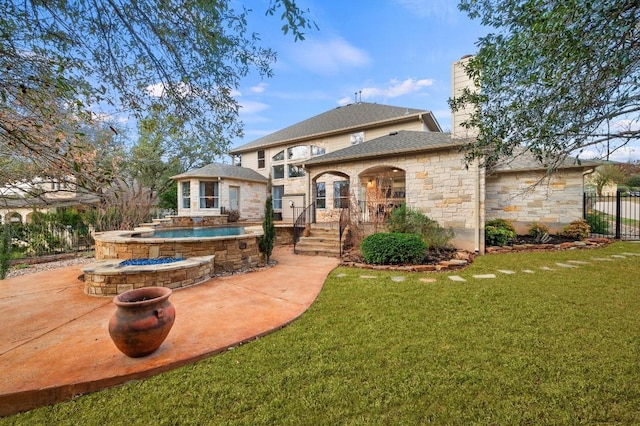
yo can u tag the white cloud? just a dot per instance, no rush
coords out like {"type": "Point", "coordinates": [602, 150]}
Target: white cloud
{"type": "Point", "coordinates": [393, 89]}
{"type": "Point", "coordinates": [252, 107]}
{"type": "Point", "coordinates": [259, 88]}
{"type": "Point", "coordinates": [330, 57]}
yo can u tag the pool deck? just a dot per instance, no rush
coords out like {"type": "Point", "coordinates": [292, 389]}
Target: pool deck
{"type": "Point", "coordinates": [55, 344]}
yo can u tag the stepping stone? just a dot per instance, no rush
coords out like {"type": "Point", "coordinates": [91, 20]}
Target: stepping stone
{"type": "Point", "coordinates": [631, 254]}
{"type": "Point", "coordinates": [506, 271]}
{"type": "Point", "coordinates": [397, 279]}
{"type": "Point", "coordinates": [618, 256]}
{"type": "Point", "coordinates": [528, 271]}
{"type": "Point", "coordinates": [456, 278]}
{"type": "Point", "coordinates": [368, 277]}
{"type": "Point", "coordinates": [341, 275]}
{"type": "Point", "coordinates": [602, 259]}
{"type": "Point", "coordinates": [578, 262]}
{"type": "Point", "coordinates": [427, 280]}
{"type": "Point", "coordinates": [484, 276]}
{"type": "Point", "coordinates": [565, 265]}
{"type": "Point", "coordinates": [546, 268]}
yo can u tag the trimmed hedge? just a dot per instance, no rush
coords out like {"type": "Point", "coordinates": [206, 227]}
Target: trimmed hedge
{"type": "Point", "coordinates": [393, 249]}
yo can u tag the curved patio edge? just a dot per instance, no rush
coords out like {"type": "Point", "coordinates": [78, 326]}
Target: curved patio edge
{"type": "Point", "coordinates": [51, 355]}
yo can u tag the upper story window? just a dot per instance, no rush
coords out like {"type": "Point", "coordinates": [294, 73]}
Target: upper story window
{"type": "Point", "coordinates": [297, 152]}
{"type": "Point", "coordinates": [278, 157]}
{"type": "Point", "coordinates": [186, 194]}
{"type": "Point", "coordinates": [278, 172]}
{"type": "Point", "coordinates": [295, 171]}
{"type": "Point", "coordinates": [261, 159]}
{"type": "Point", "coordinates": [209, 195]}
{"type": "Point", "coordinates": [356, 138]}
{"type": "Point", "coordinates": [316, 150]}
{"type": "Point", "coordinates": [237, 160]}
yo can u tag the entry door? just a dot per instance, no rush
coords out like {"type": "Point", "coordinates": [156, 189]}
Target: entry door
{"type": "Point", "coordinates": [234, 198]}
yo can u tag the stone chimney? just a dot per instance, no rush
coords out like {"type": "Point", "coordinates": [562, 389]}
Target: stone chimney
{"type": "Point", "coordinates": [459, 81]}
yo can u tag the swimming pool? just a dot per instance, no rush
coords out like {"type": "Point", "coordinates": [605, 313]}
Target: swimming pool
{"type": "Point", "coordinates": [196, 232]}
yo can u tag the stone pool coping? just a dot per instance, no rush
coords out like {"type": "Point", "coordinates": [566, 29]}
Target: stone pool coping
{"type": "Point", "coordinates": [108, 278]}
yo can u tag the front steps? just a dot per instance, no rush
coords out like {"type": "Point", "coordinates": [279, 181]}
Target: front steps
{"type": "Point", "coordinates": [322, 240]}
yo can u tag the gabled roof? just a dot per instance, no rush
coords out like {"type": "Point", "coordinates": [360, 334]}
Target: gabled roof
{"type": "Point", "coordinates": [347, 118]}
{"type": "Point", "coordinates": [401, 142]}
{"type": "Point", "coordinates": [223, 171]}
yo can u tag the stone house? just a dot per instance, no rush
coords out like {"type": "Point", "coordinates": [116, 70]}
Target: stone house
{"type": "Point", "coordinates": [380, 156]}
{"type": "Point", "coordinates": [216, 188]}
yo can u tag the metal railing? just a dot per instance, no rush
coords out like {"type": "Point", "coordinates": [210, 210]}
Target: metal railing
{"type": "Point", "coordinates": [613, 216]}
{"type": "Point", "coordinates": [308, 215]}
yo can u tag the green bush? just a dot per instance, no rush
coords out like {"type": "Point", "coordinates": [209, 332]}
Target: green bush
{"type": "Point", "coordinates": [633, 181]}
{"type": "Point", "coordinates": [498, 232]}
{"type": "Point", "coordinates": [405, 220]}
{"type": "Point", "coordinates": [393, 249]}
{"type": "Point", "coordinates": [5, 250]}
{"type": "Point", "coordinates": [540, 232]}
{"type": "Point", "coordinates": [577, 229]}
{"type": "Point", "coordinates": [598, 223]}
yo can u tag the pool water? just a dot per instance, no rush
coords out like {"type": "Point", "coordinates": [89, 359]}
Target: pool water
{"type": "Point", "coordinates": [198, 232]}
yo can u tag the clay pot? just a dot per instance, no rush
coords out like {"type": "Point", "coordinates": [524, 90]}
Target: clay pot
{"type": "Point", "coordinates": [142, 321]}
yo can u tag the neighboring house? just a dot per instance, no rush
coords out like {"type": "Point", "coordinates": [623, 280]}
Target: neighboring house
{"type": "Point", "coordinates": [217, 188]}
{"type": "Point", "coordinates": [20, 200]}
{"type": "Point", "coordinates": [380, 156]}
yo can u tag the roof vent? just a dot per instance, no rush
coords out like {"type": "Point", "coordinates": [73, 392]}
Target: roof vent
{"type": "Point", "coordinates": [393, 133]}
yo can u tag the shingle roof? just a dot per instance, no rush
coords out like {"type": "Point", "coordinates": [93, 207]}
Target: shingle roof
{"type": "Point", "coordinates": [352, 116]}
{"type": "Point", "coordinates": [525, 161]}
{"type": "Point", "coordinates": [223, 171]}
{"type": "Point", "coordinates": [400, 142]}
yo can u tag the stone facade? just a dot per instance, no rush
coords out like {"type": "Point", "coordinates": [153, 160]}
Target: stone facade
{"type": "Point", "coordinates": [106, 278]}
{"type": "Point", "coordinates": [527, 197]}
{"type": "Point", "coordinates": [232, 253]}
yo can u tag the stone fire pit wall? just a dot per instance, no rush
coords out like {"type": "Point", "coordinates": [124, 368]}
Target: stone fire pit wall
{"type": "Point", "coordinates": [232, 253]}
{"type": "Point", "coordinates": [108, 278]}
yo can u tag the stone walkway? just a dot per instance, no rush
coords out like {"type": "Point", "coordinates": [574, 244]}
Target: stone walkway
{"type": "Point", "coordinates": [568, 264]}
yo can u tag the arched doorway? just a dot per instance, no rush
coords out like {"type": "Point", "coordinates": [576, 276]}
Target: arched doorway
{"type": "Point", "coordinates": [331, 192]}
{"type": "Point", "coordinates": [382, 188]}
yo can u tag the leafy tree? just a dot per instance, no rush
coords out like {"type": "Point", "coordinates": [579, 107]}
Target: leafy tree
{"type": "Point", "coordinates": [605, 175]}
{"type": "Point", "coordinates": [633, 181]}
{"type": "Point", "coordinates": [64, 65]}
{"type": "Point", "coordinates": [557, 77]}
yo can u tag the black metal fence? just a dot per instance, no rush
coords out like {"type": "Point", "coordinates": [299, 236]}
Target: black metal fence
{"type": "Point", "coordinates": [36, 240]}
{"type": "Point", "coordinates": [613, 216]}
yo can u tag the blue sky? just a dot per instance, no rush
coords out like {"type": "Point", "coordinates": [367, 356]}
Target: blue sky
{"type": "Point", "coordinates": [396, 52]}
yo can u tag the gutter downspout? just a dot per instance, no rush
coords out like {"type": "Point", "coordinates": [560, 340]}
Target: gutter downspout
{"type": "Point", "coordinates": [477, 247]}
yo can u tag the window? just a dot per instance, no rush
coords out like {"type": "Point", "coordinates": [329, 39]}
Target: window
{"type": "Point", "coordinates": [356, 138]}
{"type": "Point", "coordinates": [277, 193]}
{"type": "Point", "coordinates": [278, 172]}
{"type": "Point", "coordinates": [321, 195]}
{"type": "Point", "coordinates": [186, 195]}
{"type": "Point", "coordinates": [237, 160]}
{"type": "Point", "coordinates": [341, 194]}
{"type": "Point", "coordinates": [278, 157]}
{"type": "Point", "coordinates": [297, 152]}
{"type": "Point", "coordinates": [295, 171]}
{"type": "Point", "coordinates": [261, 159]}
{"type": "Point", "coordinates": [316, 150]}
{"type": "Point", "coordinates": [209, 195]}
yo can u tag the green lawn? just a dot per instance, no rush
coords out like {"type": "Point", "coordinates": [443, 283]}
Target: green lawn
{"type": "Point", "coordinates": [548, 347]}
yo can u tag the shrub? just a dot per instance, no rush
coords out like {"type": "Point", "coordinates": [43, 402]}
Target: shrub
{"type": "Point", "coordinates": [5, 250]}
{"type": "Point", "coordinates": [577, 229]}
{"type": "Point", "coordinates": [393, 249]}
{"type": "Point", "coordinates": [405, 220]}
{"type": "Point", "coordinates": [598, 223]}
{"type": "Point", "coordinates": [540, 232]}
{"type": "Point", "coordinates": [498, 232]}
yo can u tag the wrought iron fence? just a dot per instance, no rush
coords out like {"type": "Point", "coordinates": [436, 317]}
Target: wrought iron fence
{"type": "Point", "coordinates": [613, 216]}
{"type": "Point", "coordinates": [45, 239]}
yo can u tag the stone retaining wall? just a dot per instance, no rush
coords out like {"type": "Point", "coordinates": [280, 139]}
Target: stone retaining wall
{"type": "Point", "coordinates": [107, 278]}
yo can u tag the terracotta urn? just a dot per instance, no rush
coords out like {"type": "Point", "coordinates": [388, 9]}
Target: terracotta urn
{"type": "Point", "coordinates": [142, 321]}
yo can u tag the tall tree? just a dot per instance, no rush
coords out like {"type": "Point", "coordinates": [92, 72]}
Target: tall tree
{"type": "Point", "coordinates": [557, 77]}
{"type": "Point", "coordinates": [64, 64]}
